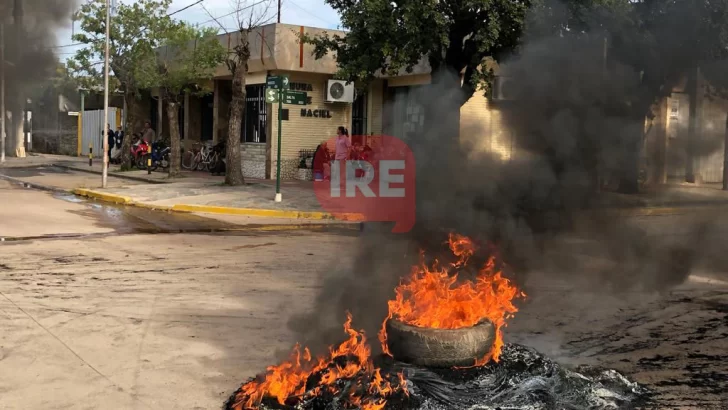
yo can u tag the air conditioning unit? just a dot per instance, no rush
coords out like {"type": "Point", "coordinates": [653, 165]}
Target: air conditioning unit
{"type": "Point", "coordinates": [504, 89]}
{"type": "Point", "coordinates": [339, 91]}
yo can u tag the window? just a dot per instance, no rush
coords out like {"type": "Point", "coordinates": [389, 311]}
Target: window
{"type": "Point", "coordinates": [359, 115]}
{"type": "Point", "coordinates": [256, 115]}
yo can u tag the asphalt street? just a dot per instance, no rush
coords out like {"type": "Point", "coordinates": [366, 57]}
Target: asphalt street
{"type": "Point", "coordinates": [116, 308]}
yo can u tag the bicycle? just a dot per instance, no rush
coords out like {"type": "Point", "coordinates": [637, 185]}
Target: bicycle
{"type": "Point", "coordinates": [199, 157]}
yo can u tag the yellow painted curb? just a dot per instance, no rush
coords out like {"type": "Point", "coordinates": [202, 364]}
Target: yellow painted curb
{"type": "Point", "coordinates": [293, 227]}
{"type": "Point", "coordinates": [103, 196]}
{"type": "Point", "coordinates": [150, 206]}
{"type": "Point", "coordinates": [270, 213]}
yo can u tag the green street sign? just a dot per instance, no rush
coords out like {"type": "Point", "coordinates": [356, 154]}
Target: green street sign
{"type": "Point", "coordinates": [271, 95]}
{"type": "Point", "coordinates": [278, 82]}
{"type": "Point", "coordinates": [295, 97]}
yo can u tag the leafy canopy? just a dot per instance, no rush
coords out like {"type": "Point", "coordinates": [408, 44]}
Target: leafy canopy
{"type": "Point", "coordinates": [189, 56]}
{"type": "Point", "coordinates": [135, 31]}
{"type": "Point", "coordinates": [390, 36]}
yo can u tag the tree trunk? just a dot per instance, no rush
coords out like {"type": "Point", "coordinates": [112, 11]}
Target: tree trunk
{"type": "Point", "coordinates": [725, 157]}
{"type": "Point", "coordinates": [130, 99]}
{"type": "Point", "coordinates": [174, 138]}
{"type": "Point", "coordinates": [233, 162]}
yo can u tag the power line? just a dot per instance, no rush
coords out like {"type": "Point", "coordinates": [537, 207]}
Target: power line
{"type": "Point", "coordinates": [167, 15]}
{"type": "Point", "coordinates": [231, 13]}
{"type": "Point", "coordinates": [309, 13]}
{"type": "Point", "coordinates": [185, 8]}
{"type": "Point", "coordinates": [67, 45]}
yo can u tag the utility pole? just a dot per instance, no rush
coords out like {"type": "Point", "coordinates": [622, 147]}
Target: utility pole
{"type": "Point", "coordinates": [104, 174]}
{"type": "Point", "coordinates": [18, 126]}
{"type": "Point", "coordinates": [279, 11]}
{"type": "Point", "coordinates": [2, 92]}
{"type": "Point", "coordinates": [279, 197]}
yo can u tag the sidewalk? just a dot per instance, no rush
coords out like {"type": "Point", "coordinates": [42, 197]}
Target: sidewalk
{"type": "Point", "coordinates": [197, 192]}
{"type": "Point", "coordinates": [204, 193]}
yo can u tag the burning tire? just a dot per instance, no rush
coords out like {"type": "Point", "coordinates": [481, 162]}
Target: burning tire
{"type": "Point", "coordinates": [439, 347]}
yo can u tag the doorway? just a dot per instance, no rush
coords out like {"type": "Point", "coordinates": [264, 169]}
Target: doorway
{"type": "Point", "coordinates": [206, 117]}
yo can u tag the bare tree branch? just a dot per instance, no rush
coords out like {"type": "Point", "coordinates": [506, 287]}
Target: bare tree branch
{"type": "Point", "coordinates": [213, 18]}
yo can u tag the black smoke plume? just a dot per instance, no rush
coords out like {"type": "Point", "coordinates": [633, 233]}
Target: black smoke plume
{"type": "Point", "coordinates": [578, 120]}
{"type": "Point", "coordinates": [30, 28]}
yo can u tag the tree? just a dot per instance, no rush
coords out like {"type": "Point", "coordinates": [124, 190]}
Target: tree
{"type": "Point", "coordinates": [249, 17]}
{"type": "Point", "coordinates": [455, 37]}
{"type": "Point", "coordinates": [136, 30]}
{"type": "Point", "coordinates": [184, 65]}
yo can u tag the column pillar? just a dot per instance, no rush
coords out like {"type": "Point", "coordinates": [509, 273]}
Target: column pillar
{"type": "Point", "coordinates": [160, 115]}
{"type": "Point", "coordinates": [661, 143]}
{"type": "Point", "coordinates": [215, 111]}
{"type": "Point", "coordinates": [186, 122]}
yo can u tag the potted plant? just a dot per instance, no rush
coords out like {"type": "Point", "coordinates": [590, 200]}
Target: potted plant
{"type": "Point", "coordinates": [305, 173]}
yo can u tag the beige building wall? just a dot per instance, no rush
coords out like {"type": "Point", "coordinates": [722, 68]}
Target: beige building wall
{"type": "Point", "coordinates": [481, 127]}
{"type": "Point", "coordinates": [300, 132]}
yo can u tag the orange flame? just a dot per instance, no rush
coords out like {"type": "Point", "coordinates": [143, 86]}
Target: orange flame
{"type": "Point", "coordinates": [433, 297]}
{"type": "Point", "coordinates": [288, 379]}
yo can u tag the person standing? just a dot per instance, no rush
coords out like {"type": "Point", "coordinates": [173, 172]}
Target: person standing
{"type": "Point", "coordinates": [119, 134]}
{"type": "Point", "coordinates": [343, 148]}
{"type": "Point", "coordinates": [149, 135]}
{"type": "Point", "coordinates": [110, 138]}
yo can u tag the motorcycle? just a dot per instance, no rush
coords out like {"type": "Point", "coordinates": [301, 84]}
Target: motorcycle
{"type": "Point", "coordinates": [160, 155]}
{"type": "Point", "coordinates": [139, 150]}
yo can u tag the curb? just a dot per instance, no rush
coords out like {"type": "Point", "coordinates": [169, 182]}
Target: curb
{"type": "Point", "coordinates": [116, 199]}
{"type": "Point", "coordinates": [113, 174]}
{"type": "Point", "coordinates": [659, 211]}
{"type": "Point", "coordinates": [347, 219]}
{"type": "Point", "coordinates": [270, 213]}
{"type": "Point", "coordinates": [34, 185]}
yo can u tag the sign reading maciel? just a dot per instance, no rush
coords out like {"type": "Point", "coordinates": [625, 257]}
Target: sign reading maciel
{"type": "Point", "coordinates": [315, 113]}
{"type": "Point", "coordinates": [379, 186]}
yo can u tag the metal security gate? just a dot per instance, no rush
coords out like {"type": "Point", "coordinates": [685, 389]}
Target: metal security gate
{"type": "Point", "coordinates": [255, 122]}
{"type": "Point", "coordinates": [93, 130]}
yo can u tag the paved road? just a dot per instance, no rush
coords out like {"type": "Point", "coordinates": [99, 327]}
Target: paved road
{"type": "Point", "coordinates": [119, 314]}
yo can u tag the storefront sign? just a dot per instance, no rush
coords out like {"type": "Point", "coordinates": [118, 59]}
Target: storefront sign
{"type": "Point", "coordinates": [301, 87]}
{"type": "Point", "coordinates": [316, 113]}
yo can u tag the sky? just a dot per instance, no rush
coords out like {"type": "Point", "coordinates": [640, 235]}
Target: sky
{"type": "Point", "coordinates": [313, 13]}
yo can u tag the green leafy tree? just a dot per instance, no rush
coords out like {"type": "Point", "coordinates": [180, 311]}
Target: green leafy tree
{"type": "Point", "coordinates": [184, 65]}
{"type": "Point", "coordinates": [136, 31]}
{"type": "Point", "coordinates": [455, 37]}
